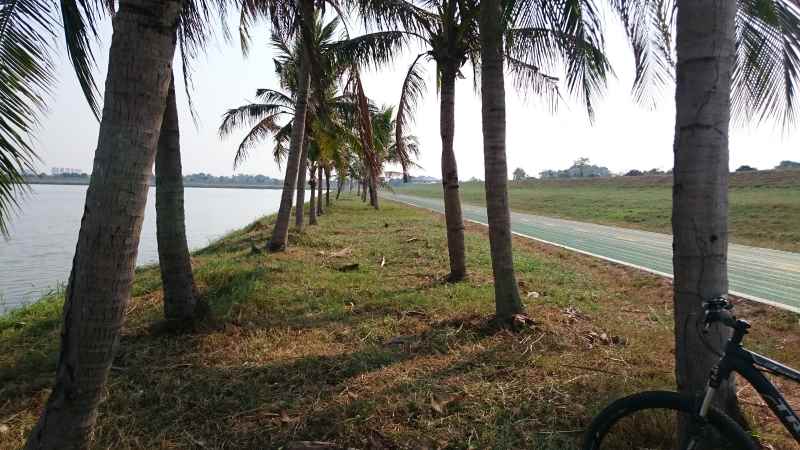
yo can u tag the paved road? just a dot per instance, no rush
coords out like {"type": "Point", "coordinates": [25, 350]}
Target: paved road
{"type": "Point", "coordinates": [763, 275]}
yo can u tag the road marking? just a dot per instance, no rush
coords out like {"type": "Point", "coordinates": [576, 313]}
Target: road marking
{"type": "Point", "coordinates": [766, 276]}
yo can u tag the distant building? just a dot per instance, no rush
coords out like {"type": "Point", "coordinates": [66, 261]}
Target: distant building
{"type": "Point", "coordinates": [391, 175]}
{"type": "Point", "coordinates": [61, 171]}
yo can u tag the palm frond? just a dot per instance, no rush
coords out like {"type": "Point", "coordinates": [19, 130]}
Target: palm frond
{"type": "Point", "coordinates": [26, 29]}
{"type": "Point", "coordinates": [647, 25]}
{"type": "Point", "coordinates": [272, 96]}
{"type": "Point", "coordinates": [248, 116]}
{"type": "Point", "coordinates": [261, 131]}
{"type": "Point", "coordinates": [529, 78]}
{"type": "Point", "coordinates": [768, 60]}
{"type": "Point", "coordinates": [412, 90]}
{"type": "Point", "coordinates": [194, 31]}
{"type": "Point", "coordinates": [79, 18]}
{"type": "Point", "coordinates": [574, 31]}
{"type": "Point", "coordinates": [371, 50]}
{"type": "Point", "coordinates": [391, 14]}
{"type": "Point", "coordinates": [282, 15]}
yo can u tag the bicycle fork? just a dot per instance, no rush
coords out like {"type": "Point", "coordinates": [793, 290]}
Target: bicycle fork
{"type": "Point", "coordinates": [714, 382]}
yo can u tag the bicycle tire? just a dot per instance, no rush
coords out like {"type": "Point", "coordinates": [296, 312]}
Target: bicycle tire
{"type": "Point", "coordinates": [664, 400]}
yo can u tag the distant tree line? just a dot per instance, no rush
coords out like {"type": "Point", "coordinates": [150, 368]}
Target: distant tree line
{"type": "Point", "coordinates": [581, 168]}
{"type": "Point", "coordinates": [207, 178]}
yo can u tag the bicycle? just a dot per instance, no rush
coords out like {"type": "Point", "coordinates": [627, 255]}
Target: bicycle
{"type": "Point", "coordinates": [708, 427]}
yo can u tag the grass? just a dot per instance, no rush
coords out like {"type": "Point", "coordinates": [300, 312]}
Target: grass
{"type": "Point", "coordinates": [384, 356]}
{"type": "Point", "coordinates": [764, 206]}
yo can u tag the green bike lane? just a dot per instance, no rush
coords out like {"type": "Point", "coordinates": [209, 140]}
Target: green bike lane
{"type": "Point", "coordinates": [759, 274]}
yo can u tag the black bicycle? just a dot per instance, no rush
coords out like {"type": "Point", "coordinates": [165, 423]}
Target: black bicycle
{"type": "Point", "coordinates": [649, 420]}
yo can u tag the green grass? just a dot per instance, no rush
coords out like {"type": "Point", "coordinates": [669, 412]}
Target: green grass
{"type": "Point", "coordinates": [764, 207]}
{"type": "Point", "coordinates": [386, 356]}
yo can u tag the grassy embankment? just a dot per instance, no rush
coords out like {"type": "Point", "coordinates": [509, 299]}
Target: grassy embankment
{"type": "Point", "coordinates": [764, 206]}
{"type": "Point", "coordinates": [383, 356]}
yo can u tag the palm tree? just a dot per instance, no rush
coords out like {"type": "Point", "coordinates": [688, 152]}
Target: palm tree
{"type": "Point", "coordinates": [706, 52]}
{"type": "Point", "coordinates": [140, 61]}
{"type": "Point", "coordinates": [448, 31]}
{"type": "Point", "coordinates": [730, 57]}
{"type": "Point", "coordinates": [177, 279]}
{"type": "Point", "coordinates": [290, 19]}
{"type": "Point", "coordinates": [493, 107]}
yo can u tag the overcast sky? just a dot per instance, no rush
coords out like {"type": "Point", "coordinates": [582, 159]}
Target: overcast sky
{"type": "Point", "coordinates": [623, 136]}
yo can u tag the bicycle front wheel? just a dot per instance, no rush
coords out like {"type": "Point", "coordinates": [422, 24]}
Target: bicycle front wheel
{"type": "Point", "coordinates": [649, 421]}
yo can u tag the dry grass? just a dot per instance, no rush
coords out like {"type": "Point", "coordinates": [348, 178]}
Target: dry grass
{"type": "Point", "coordinates": [385, 356]}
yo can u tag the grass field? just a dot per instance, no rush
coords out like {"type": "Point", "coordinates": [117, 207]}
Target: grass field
{"type": "Point", "coordinates": [383, 355]}
{"type": "Point", "coordinates": [764, 206]}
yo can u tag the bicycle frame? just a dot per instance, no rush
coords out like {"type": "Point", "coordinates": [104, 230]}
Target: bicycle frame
{"type": "Point", "coordinates": [747, 364]}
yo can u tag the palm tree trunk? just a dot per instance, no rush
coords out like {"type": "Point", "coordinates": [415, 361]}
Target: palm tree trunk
{"type": "Point", "coordinates": [327, 186]}
{"type": "Point", "coordinates": [493, 98]}
{"type": "Point", "coordinates": [280, 233]}
{"type": "Point", "coordinates": [140, 69]}
{"type": "Point", "coordinates": [320, 210]}
{"type": "Point", "coordinates": [180, 295]}
{"type": "Point", "coordinates": [301, 187]}
{"type": "Point", "coordinates": [705, 42]}
{"type": "Point", "coordinates": [364, 189]}
{"type": "Point", "coordinates": [373, 189]}
{"type": "Point", "coordinates": [452, 199]}
{"type": "Point", "coordinates": [339, 185]}
{"type": "Point", "coordinates": [312, 202]}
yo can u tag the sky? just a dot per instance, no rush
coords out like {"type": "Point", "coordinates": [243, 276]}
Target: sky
{"type": "Point", "coordinates": [623, 135]}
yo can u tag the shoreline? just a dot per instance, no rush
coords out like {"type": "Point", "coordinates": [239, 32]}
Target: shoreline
{"type": "Point", "coordinates": [81, 182]}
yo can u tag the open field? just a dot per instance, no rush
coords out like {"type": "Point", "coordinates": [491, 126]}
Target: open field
{"type": "Point", "coordinates": [764, 206]}
{"type": "Point", "coordinates": [384, 355]}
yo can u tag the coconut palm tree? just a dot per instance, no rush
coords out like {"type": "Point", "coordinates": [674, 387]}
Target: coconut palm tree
{"type": "Point", "coordinates": [493, 108]}
{"type": "Point", "coordinates": [706, 53]}
{"type": "Point", "coordinates": [180, 294]}
{"type": "Point", "coordinates": [448, 33]}
{"type": "Point", "coordinates": [99, 286]}
{"type": "Point", "coordinates": [140, 61]}
{"type": "Point", "coordinates": [290, 19]}
{"type": "Point", "coordinates": [738, 57]}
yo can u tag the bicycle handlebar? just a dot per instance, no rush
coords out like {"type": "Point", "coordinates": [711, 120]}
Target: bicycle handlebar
{"type": "Point", "coordinates": [717, 310]}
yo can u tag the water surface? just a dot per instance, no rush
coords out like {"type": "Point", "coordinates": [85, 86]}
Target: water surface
{"type": "Point", "coordinates": [38, 256]}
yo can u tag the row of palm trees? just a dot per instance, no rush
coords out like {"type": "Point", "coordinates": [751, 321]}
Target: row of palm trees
{"type": "Point", "coordinates": [731, 56]}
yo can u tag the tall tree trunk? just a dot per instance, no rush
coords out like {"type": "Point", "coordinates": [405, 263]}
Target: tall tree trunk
{"type": "Point", "coordinates": [364, 189]}
{"type": "Point", "coordinates": [452, 198]}
{"type": "Point", "coordinates": [320, 210]}
{"type": "Point", "coordinates": [301, 187]}
{"type": "Point", "coordinates": [312, 202]}
{"type": "Point", "coordinates": [280, 233]}
{"type": "Point", "coordinates": [705, 42]}
{"type": "Point", "coordinates": [493, 99]}
{"type": "Point", "coordinates": [327, 186]}
{"type": "Point", "coordinates": [139, 73]}
{"type": "Point", "coordinates": [339, 185]}
{"type": "Point", "coordinates": [180, 295]}
{"type": "Point", "coordinates": [351, 184]}
{"type": "Point", "coordinates": [373, 189]}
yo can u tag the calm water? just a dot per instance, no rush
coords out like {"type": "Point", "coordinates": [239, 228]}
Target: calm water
{"type": "Point", "coordinates": [38, 256]}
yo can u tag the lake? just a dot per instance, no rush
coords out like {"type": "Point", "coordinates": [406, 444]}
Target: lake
{"type": "Point", "coordinates": [38, 255]}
